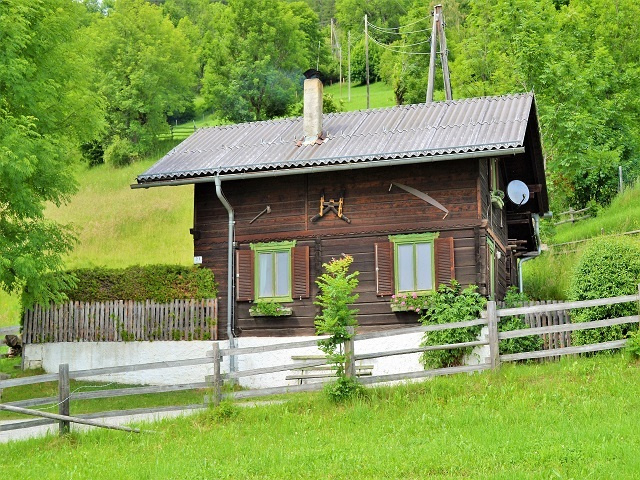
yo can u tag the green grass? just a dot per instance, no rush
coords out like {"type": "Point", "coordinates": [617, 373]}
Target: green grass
{"type": "Point", "coordinates": [117, 226]}
{"type": "Point", "coordinates": [549, 276]}
{"type": "Point", "coordinates": [50, 389]}
{"type": "Point", "coordinates": [573, 419]}
{"type": "Point", "coordinates": [380, 95]}
{"type": "Point", "coordinates": [623, 215]}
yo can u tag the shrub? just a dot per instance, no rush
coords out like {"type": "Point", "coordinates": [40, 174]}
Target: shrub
{"type": "Point", "coordinates": [514, 298]}
{"type": "Point", "coordinates": [335, 297]}
{"type": "Point", "coordinates": [451, 304]}
{"type": "Point", "coordinates": [608, 268]}
{"type": "Point", "coordinates": [119, 153]}
{"type": "Point", "coordinates": [155, 282]}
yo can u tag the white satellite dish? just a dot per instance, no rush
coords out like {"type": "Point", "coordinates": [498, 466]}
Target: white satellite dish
{"type": "Point", "coordinates": [518, 192]}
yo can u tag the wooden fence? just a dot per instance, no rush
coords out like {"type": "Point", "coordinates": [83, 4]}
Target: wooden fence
{"type": "Point", "coordinates": [573, 216]}
{"type": "Point", "coordinates": [122, 320]}
{"type": "Point", "coordinates": [546, 319]}
{"type": "Point", "coordinates": [214, 358]}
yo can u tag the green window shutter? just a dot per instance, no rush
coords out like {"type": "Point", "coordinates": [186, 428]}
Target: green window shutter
{"type": "Point", "coordinates": [244, 275]}
{"type": "Point", "coordinates": [444, 257]}
{"type": "Point", "coordinates": [384, 268]}
{"type": "Point", "coordinates": [300, 272]}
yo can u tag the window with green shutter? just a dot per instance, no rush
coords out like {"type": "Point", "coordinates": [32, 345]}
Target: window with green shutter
{"type": "Point", "coordinates": [414, 262]}
{"type": "Point", "coordinates": [272, 271]}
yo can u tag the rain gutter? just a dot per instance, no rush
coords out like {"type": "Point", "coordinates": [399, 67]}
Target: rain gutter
{"type": "Point", "coordinates": [330, 168]}
{"type": "Point", "coordinates": [230, 282]}
{"type": "Point", "coordinates": [532, 255]}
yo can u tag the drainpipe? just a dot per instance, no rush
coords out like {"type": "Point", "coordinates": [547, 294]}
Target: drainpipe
{"type": "Point", "coordinates": [230, 282]}
{"type": "Point", "coordinates": [531, 256]}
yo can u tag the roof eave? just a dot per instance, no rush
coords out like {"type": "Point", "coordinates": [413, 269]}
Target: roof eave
{"type": "Point", "coordinates": [189, 180]}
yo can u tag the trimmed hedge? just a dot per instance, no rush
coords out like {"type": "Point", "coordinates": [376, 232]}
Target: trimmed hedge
{"type": "Point", "coordinates": [155, 282]}
{"type": "Point", "coordinates": [609, 267]}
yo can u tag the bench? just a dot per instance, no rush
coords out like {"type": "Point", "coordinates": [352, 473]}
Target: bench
{"type": "Point", "coordinates": [321, 371]}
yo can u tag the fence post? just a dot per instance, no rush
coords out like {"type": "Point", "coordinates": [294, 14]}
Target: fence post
{"type": "Point", "coordinates": [63, 397]}
{"type": "Point", "coordinates": [217, 380]}
{"type": "Point", "coordinates": [350, 363]}
{"type": "Point", "coordinates": [494, 351]}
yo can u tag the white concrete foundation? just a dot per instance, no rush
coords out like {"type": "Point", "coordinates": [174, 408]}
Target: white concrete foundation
{"type": "Point", "coordinates": [91, 355]}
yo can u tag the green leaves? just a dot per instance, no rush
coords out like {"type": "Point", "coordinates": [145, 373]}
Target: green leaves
{"type": "Point", "coordinates": [46, 109]}
{"type": "Point", "coordinates": [450, 304]}
{"type": "Point", "coordinates": [607, 268]}
{"type": "Point", "coordinates": [336, 294]}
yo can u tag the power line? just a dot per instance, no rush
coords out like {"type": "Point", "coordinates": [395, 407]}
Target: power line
{"type": "Point", "coordinates": [390, 29]}
{"type": "Point", "coordinates": [389, 32]}
{"type": "Point", "coordinates": [395, 49]}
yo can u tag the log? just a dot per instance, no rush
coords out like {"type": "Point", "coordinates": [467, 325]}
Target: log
{"type": "Point", "coordinates": [68, 418]}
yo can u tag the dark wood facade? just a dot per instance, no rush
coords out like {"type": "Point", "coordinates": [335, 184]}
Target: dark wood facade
{"type": "Point", "coordinates": [462, 186]}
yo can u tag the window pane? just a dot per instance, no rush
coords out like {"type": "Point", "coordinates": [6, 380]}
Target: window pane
{"type": "Point", "coordinates": [405, 268]}
{"type": "Point", "coordinates": [423, 266]}
{"type": "Point", "coordinates": [283, 270]}
{"type": "Point", "coordinates": [265, 280]}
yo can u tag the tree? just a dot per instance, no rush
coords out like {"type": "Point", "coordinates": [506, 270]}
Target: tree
{"type": "Point", "coordinates": [260, 49]}
{"type": "Point", "coordinates": [47, 109]}
{"type": "Point", "coordinates": [148, 71]}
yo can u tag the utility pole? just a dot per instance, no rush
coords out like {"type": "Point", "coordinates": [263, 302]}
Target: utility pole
{"type": "Point", "coordinates": [366, 53]}
{"type": "Point", "coordinates": [349, 60]}
{"type": "Point", "coordinates": [437, 32]}
{"type": "Point", "coordinates": [340, 53]}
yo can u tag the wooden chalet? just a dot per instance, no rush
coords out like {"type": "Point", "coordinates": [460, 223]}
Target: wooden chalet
{"type": "Point", "coordinates": [413, 193]}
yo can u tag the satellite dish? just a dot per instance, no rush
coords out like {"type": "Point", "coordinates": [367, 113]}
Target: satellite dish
{"type": "Point", "coordinates": [518, 192]}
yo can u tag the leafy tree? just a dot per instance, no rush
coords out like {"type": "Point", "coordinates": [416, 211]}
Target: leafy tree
{"type": "Point", "coordinates": [260, 49]}
{"type": "Point", "coordinates": [47, 109]}
{"type": "Point", "coordinates": [147, 70]}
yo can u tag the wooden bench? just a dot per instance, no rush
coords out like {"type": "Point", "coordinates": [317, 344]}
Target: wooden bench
{"type": "Point", "coordinates": [321, 371]}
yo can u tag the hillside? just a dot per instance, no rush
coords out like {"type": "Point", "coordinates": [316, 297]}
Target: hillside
{"type": "Point", "coordinates": [620, 217]}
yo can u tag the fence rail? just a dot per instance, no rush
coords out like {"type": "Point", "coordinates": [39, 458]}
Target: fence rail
{"type": "Point", "coordinates": [122, 320]}
{"type": "Point", "coordinates": [493, 337]}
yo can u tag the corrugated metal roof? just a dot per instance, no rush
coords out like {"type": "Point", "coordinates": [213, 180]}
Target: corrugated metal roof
{"type": "Point", "coordinates": [422, 130]}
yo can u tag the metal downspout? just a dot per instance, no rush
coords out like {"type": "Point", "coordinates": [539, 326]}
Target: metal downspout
{"type": "Point", "coordinates": [230, 282]}
{"type": "Point", "coordinates": [536, 221]}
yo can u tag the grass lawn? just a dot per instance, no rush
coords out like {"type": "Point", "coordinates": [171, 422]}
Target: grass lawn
{"type": "Point", "coordinates": [573, 419]}
{"type": "Point", "coordinates": [50, 389]}
{"type": "Point", "coordinates": [380, 95]}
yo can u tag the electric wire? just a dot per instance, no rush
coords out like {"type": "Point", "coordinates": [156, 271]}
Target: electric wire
{"type": "Point", "coordinates": [69, 397]}
{"type": "Point", "coordinates": [401, 26]}
{"type": "Point", "coordinates": [382, 30]}
{"type": "Point", "coordinates": [396, 49]}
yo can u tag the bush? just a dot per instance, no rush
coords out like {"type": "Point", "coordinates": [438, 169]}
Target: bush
{"type": "Point", "coordinates": [607, 268]}
{"type": "Point", "coordinates": [93, 152]}
{"type": "Point", "coordinates": [514, 298]}
{"type": "Point", "coordinates": [119, 153]}
{"type": "Point", "coordinates": [451, 304]}
{"type": "Point", "coordinates": [155, 282]}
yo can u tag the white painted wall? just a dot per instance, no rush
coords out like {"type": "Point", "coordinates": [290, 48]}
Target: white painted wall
{"type": "Point", "coordinates": [90, 355]}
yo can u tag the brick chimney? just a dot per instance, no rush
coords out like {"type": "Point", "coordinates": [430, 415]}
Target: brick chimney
{"type": "Point", "coordinates": [312, 122]}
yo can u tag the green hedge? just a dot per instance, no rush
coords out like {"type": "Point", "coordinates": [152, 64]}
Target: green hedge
{"type": "Point", "coordinates": [609, 267]}
{"type": "Point", "coordinates": [156, 282]}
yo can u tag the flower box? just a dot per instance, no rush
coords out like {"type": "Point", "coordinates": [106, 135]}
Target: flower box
{"type": "Point", "coordinates": [282, 312]}
{"type": "Point", "coordinates": [403, 308]}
